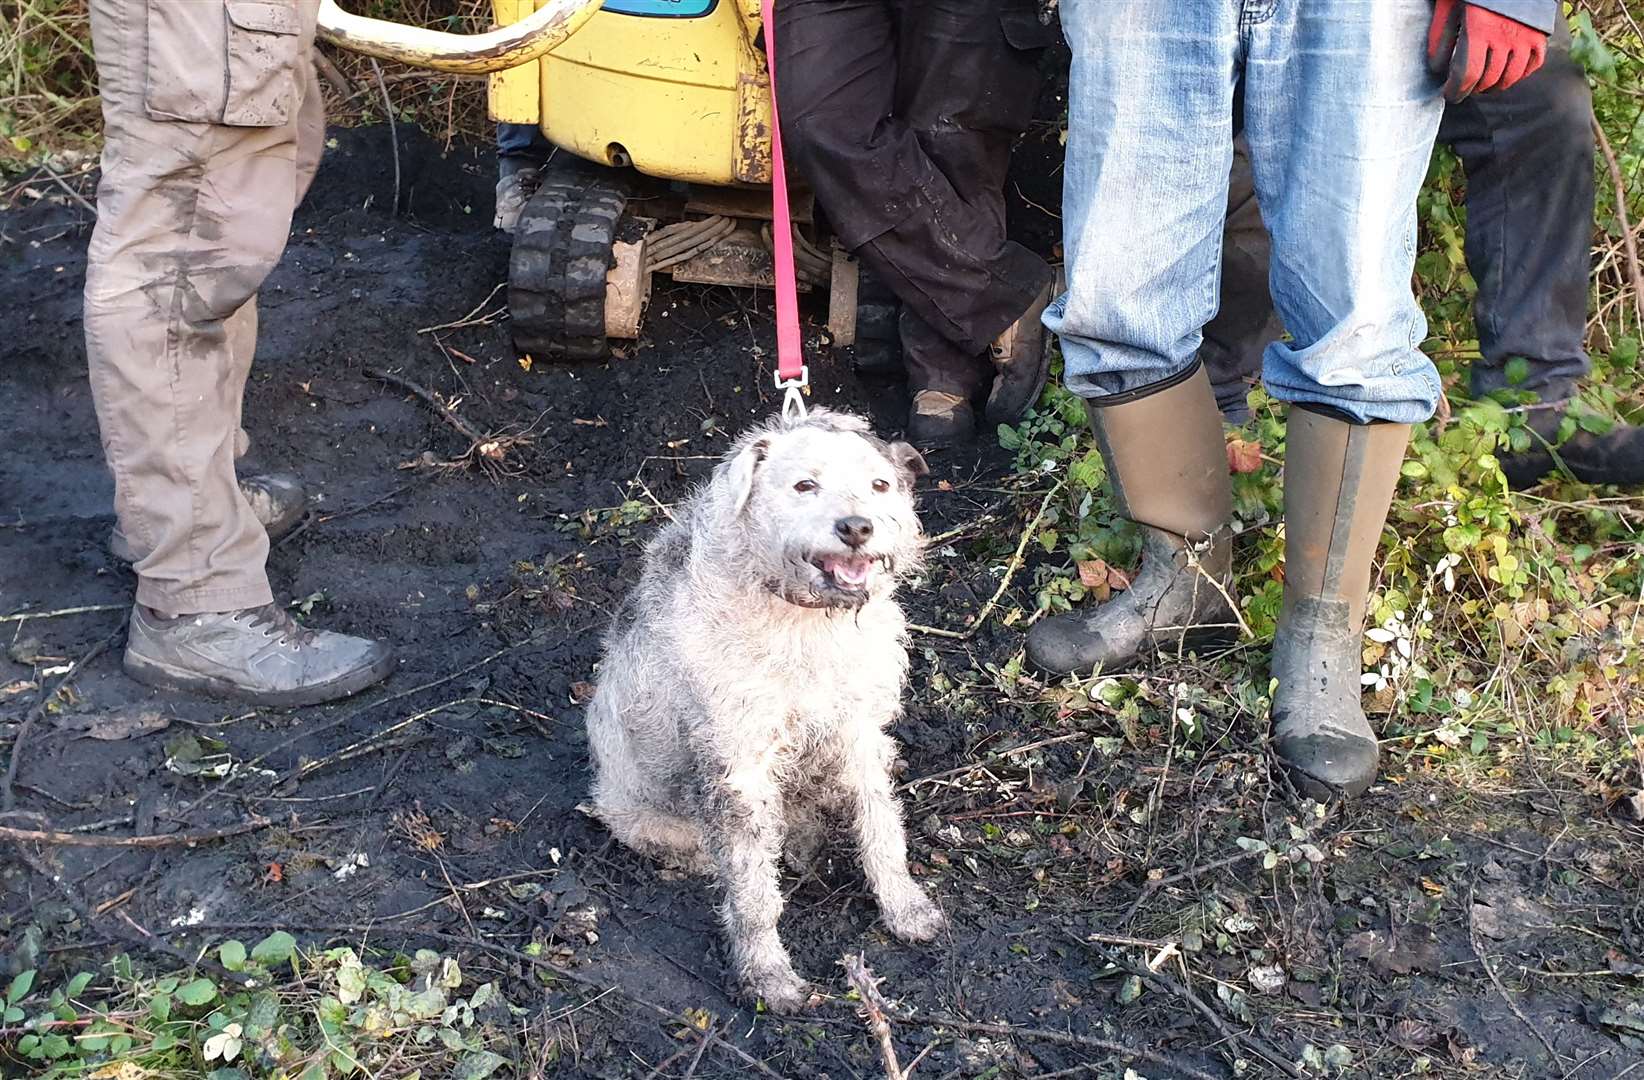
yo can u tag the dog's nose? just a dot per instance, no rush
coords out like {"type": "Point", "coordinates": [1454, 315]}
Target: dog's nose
{"type": "Point", "coordinates": [854, 530]}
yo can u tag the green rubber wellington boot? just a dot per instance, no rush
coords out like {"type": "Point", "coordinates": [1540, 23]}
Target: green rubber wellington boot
{"type": "Point", "coordinates": [1338, 485]}
{"type": "Point", "coordinates": [1167, 463]}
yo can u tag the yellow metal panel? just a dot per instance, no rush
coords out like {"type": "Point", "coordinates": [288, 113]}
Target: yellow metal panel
{"type": "Point", "coordinates": [666, 91]}
{"type": "Point", "coordinates": [515, 94]}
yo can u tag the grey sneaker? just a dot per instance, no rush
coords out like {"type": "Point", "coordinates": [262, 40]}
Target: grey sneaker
{"type": "Point", "coordinates": [259, 655]}
{"type": "Point", "coordinates": [513, 192]}
{"type": "Point", "coordinates": [277, 499]}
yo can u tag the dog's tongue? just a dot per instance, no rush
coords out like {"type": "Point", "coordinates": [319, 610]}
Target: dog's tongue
{"type": "Point", "coordinates": [849, 569]}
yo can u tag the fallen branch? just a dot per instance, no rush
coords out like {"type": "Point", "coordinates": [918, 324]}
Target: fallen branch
{"type": "Point", "coordinates": [873, 1010]}
{"type": "Point", "coordinates": [468, 319]}
{"type": "Point", "coordinates": [426, 396]}
{"type": "Point", "coordinates": [1165, 984]}
{"type": "Point", "coordinates": [330, 73]}
{"type": "Point", "coordinates": [1155, 885]}
{"type": "Point", "coordinates": [75, 195]}
{"type": "Point", "coordinates": [1011, 568]}
{"type": "Point", "coordinates": [88, 609]}
{"type": "Point", "coordinates": [487, 451]}
{"type": "Point", "coordinates": [1064, 1038]}
{"type": "Point", "coordinates": [60, 838]}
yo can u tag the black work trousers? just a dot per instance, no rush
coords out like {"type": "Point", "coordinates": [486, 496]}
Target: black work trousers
{"type": "Point", "coordinates": [901, 114]}
{"type": "Point", "coordinates": [1528, 156]}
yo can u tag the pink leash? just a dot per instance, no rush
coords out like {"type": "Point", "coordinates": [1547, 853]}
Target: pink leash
{"type": "Point", "coordinates": [792, 376]}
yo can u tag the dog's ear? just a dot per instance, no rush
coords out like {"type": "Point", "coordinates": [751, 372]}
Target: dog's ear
{"type": "Point", "coordinates": [910, 463]}
{"type": "Point", "coordinates": [739, 472]}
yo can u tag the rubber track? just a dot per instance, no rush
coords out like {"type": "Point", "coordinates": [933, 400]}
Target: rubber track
{"type": "Point", "coordinates": [556, 273]}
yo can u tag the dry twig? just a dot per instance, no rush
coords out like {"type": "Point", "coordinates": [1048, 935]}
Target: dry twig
{"type": "Point", "coordinates": [1014, 565]}
{"type": "Point", "coordinates": [873, 1010]}
{"type": "Point", "coordinates": [25, 616]}
{"type": "Point", "coordinates": [61, 838]}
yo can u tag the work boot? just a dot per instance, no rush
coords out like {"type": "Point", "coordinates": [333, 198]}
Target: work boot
{"type": "Point", "coordinates": [1022, 355]}
{"type": "Point", "coordinates": [259, 655]}
{"type": "Point", "coordinates": [1615, 457]}
{"type": "Point", "coordinates": [514, 190]}
{"type": "Point", "coordinates": [939, 420]}
{"type": "Point", "coordinates": [1338, 484]}
{"type": "Point", "coordinates": [278, 501]}
{"type": "Point", "coordinates": [1167, 464]}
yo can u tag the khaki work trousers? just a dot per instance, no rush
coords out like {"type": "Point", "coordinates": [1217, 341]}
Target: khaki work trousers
{"type": "Point", "coordinates": [213, 128]}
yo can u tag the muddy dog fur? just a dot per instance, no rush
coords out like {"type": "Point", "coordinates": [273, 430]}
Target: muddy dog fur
{"type": "Point", "coordinates": [748, 682]}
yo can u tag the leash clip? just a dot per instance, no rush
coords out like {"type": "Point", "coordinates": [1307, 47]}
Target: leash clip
{"type": "Point", "coordinates": [793, 397]}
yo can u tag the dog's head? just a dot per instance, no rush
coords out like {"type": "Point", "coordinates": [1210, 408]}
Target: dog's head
{"type": "Point", "coordinates": [822, 511]}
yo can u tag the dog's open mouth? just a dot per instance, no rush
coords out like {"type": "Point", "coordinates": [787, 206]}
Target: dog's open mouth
{"type": "Point", "coordinates": [848, 573]}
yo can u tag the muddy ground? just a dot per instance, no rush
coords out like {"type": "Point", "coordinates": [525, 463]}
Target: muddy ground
{"type": "Point", "coordinates": [1047, 819]}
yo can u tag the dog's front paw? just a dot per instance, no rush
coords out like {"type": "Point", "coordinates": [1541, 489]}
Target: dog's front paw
{"type": "Point", "coordinates": [913, 916]}
{"type": "Point", "coordinates": [781, 989]}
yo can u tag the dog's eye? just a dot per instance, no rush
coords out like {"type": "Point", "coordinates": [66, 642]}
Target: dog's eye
{"type": "Point", "coordinates": [881, 486]}
{"type": "Point", "coordinates": [805, 485]}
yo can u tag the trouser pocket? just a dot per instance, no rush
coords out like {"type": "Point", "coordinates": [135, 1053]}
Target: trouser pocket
{"type": "Point", "coordinates": [232, 63]}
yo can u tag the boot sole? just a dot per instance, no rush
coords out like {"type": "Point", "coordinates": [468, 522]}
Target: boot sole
{"type": "Point", "coordinates": [165, 677]}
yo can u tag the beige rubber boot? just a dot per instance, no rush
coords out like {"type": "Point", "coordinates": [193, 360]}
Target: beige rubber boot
{"type": "Point", "coordinates": [1338, 485]}
{"type": "Point", "coordinates": [1167, 463]}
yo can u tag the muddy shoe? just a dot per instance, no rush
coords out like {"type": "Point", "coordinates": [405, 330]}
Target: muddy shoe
{"type": "Point", "coordinates": [1615, 457]}
{"type": "Point", "coordinates": [939, 420]}
{"type": "Point", "coordinates": [259, 655]}
{"type": "Point", "coordinates": [1338, 484]}
{"type": "Point", "coordinates": [513, 192]}
{"type": "Point", "coordinates": [1177, 489]}
{"type": "Point", "coordinates": [1022, 356]}
{"type": "Point", "coordinates": [277, 499]}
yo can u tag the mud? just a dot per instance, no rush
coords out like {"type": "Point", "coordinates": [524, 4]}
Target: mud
{"type": "Point", "coordinates": [496, 588]}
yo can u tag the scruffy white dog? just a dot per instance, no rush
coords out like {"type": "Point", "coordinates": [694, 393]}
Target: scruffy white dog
{"type": "Point", "coordinates": [749, 679]}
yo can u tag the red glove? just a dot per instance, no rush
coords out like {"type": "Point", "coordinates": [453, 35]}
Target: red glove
{"type": "Point", "coordinates": [1475, 50]}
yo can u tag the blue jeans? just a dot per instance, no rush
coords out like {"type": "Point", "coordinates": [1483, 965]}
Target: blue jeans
{"type": "Point", "coordinates": [1340, 115]}
{"type": "Point", "coordinates": [522, 140]}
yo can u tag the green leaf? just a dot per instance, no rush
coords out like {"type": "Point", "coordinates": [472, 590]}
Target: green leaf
{"type": "Point", "coordinates": [159, 1007]}
{"type": "Point", "coordinates": [163, 1042]}
{"type": "Point", "coordinates": [453, 1041]}
{"type": "Point", "coordinates": [19, 987]}
{"type": "Point", "coordinates": [1518, 369]}
{"type": "Point", "coordinates": [197, 992]}
{"type": "Point", "coordinates": [29, 1046]}
{"type": "Point", "coordinates": [78, 984]}
{"type": "Point", "coordinates": [264, 1013]}
{"type": "Point", "coordinates": [1008, 438]}
{"type": "Point", "coordinates": [1595, 423]}
{"type": "Point", "coordinates": [476, 1066]}
{"type": "Point", "coordinates": [167, 985]}
{"type": "Point", "coordinates": [276, 948]}
{"type": "Point", "coordinates": [12, 1014]}
{"type": "Point", "coordinates": [232, 955]}
{"type": "Point", "coordinates": [56, 1046]}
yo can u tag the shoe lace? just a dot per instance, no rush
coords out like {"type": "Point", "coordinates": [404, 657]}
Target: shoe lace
{"type": "Point", "coordinates": [275, 621]}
